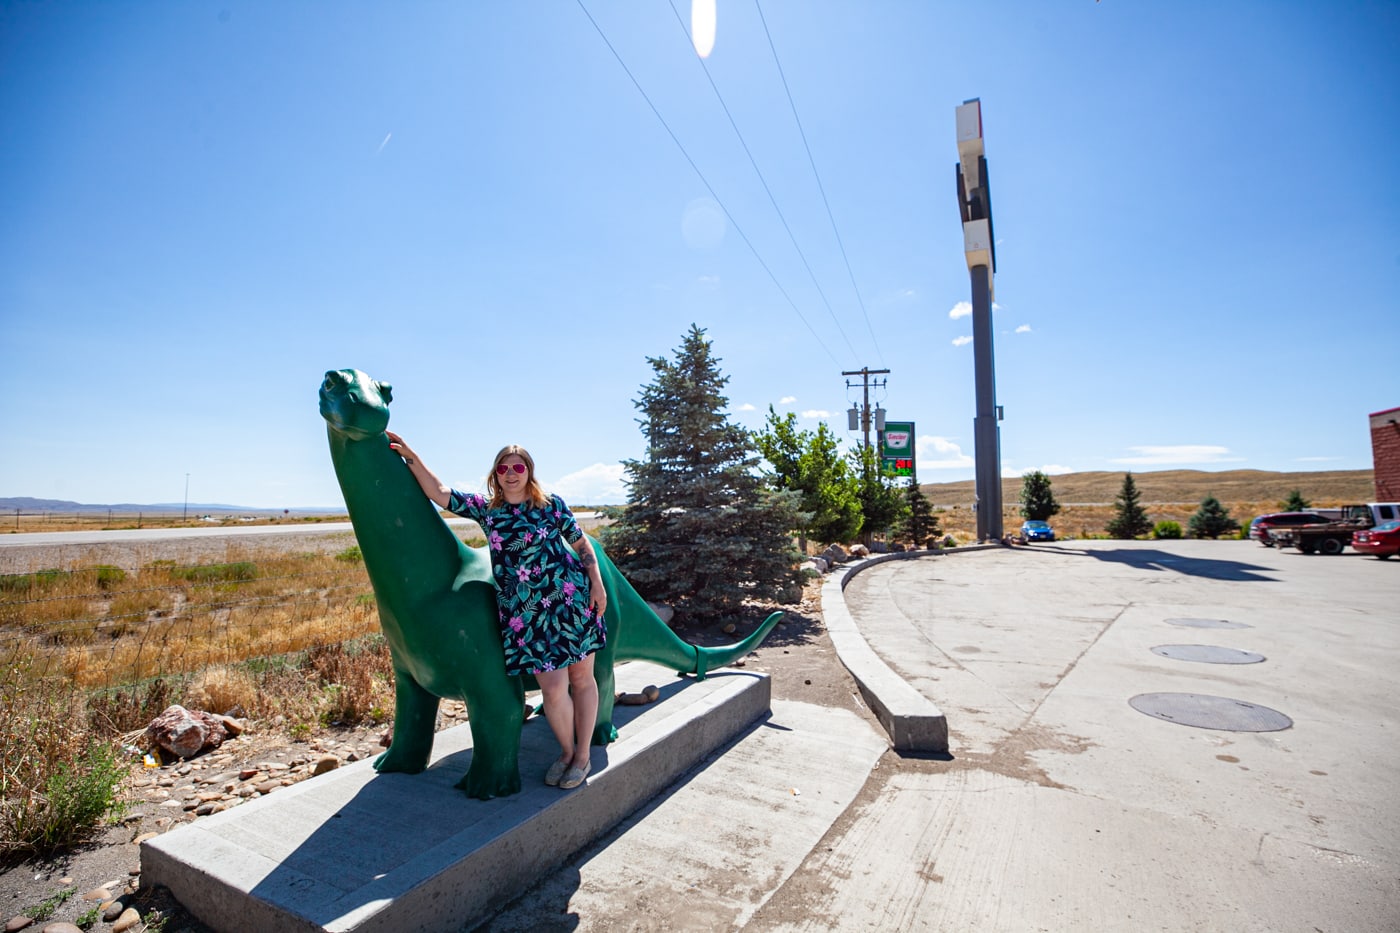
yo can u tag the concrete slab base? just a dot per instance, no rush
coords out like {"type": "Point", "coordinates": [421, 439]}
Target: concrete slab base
{"type": "Point", "coordinates": [356, 850]}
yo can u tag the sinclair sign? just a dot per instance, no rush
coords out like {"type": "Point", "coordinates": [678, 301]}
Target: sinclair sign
{"type": "Point", "coordinates": [897, 449]}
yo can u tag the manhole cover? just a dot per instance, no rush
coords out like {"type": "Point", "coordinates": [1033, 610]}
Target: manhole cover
{"type": "Point", "coordinates": [1208, 654]}
{"type": "Point", "coordinates": [1208, 712]}
{"type": "Point", "coordinates": [1207, 623]}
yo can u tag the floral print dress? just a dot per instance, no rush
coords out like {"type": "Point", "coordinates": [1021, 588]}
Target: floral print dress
{"type": "Point", "coordinates": [542, 589]}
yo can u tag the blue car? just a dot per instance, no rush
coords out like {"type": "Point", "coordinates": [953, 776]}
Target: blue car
{"type": "Point", "coordinates": [1037, 531]}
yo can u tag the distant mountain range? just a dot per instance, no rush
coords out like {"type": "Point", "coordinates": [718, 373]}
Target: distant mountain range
{"type": "Point", "coordinates": [27, 504]}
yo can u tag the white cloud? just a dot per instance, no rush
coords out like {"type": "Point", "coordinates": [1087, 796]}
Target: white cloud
{"type": "Point", "coordinates": [1049, 469]}
{"type": "Point", "coordinates": [961, 309]}
{"type": "Point", "coordinates": [383, 144]}
{"type": "Point", "coordinates": [939, 453]}
{"type": "Point", "coordinates": [746, 407]}
{"type": "Point", "coordinates": [787, 400]}
{"type": "Point", "coordinates": [961, 341]}
{"type": "Point", "coordinates": [995, 307]}
{"type": "Point", "coordinates": [816, 413]}
{"type": "Point", "coordinates": [708, 281]}
{"type": "Point", "coordinates": [1023, 329]}
{"type": "Point", "coordinates": [906, 293]}
{"type": "Point", "coordinates": [599, 484]}
{"type": "Point", "coordinates": [1180, 453]}
{"type": "Point", "coordinates": [1315, 459]}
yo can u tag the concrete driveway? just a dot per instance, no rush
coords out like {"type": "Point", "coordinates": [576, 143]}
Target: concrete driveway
{"type": "Point", "coordinates": [1064, 807]}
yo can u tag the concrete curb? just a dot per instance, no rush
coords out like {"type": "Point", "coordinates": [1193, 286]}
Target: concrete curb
{"type": "Point", "coordinates": [914, 722]}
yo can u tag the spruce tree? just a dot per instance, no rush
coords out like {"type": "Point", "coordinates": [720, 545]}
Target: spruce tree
{"type": "Point", "coordinates": [1211, 520]}
{"type": "Point", "coordinates": [809, 463]}
{"type": "Point", "coordinates": [699, 531]}
{"type": "Point", "coordinates": [920, 523]}
{"type": "Point", "coordinates": [1037, 501]}
{"type": "Point", "coordinates": [1296, 502]}
{"type": "Point", "coordinates": [1130, 520]}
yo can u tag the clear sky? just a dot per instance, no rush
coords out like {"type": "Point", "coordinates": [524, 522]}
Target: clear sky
{"type": "Point", "coordinates": [204, 206]}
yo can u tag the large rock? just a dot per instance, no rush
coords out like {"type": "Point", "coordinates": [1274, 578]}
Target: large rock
{"type": "Point", "coordinates": [663, 611]}
{"type": "Point", "coordinates": [835, 554]}
{"type": "Point", "coordinates": [185, 733]}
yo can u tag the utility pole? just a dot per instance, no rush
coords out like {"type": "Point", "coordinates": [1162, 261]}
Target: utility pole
{"type": "Point", "coordinates": [979, 246]}
{"type": "Point", "coordinates": [865, 372]}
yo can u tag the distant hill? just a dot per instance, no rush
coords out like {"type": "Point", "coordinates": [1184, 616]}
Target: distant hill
{"type": "Point", "coordinates": [1181, 486]}
{"type": "Point", "coordinates": [27, 504]}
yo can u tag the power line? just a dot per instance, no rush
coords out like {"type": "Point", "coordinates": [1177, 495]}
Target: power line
{"type": "Point", "coordinates": [704, 181]}
{"type": "Point", "coordinates": [764, 181]}
{"type": "Point", "coordinates": [820, 187]}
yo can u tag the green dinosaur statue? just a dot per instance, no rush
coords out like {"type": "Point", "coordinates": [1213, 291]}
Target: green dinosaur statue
{"type": "Point", "coordinates": [437, 605]}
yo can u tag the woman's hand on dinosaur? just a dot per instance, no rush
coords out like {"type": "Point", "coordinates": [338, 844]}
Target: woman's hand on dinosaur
{"type": "Point", "coordinates": [398, 446]}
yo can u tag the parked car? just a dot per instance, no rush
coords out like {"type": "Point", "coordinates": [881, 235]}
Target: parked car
{"type": "Point", "coordinates": [1382, 540]}
{"type": "Point", "coordinates": [1259, 528]}
{"type": "Point", "coordinates": [1333, 537]}
{"type": "Point", "coordinates": [1037, 531]}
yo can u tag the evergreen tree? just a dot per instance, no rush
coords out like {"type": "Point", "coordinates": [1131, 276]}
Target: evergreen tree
{"type": "Point", "coordinates": [881, 505]}
{"type": "Point", "coordinates": [1296, 503]}
{"type": "Point", "coordinates": [1211, 520]}
{"type": "Point", "coordinates": [1130, 521]}
{"type": "Point", "coordinates": [810, 464]}
{"type": "Point", "coordinates": [920, 523]}
{"type": "Point", "coordinates": [1037, 501]}
{"type": "Point", "coordinates": [699, 531]}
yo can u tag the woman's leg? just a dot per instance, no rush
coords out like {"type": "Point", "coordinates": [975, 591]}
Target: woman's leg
{"type": "Point", "coordinates": [559, 708]}
{"type": "Point", "coordinates": [585, 711]}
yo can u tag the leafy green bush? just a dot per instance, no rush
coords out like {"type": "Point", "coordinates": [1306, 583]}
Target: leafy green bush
{"type": "Point", "coordinates": [108, 576]}
{"type": "Point", "coordinates": [24, 582]}
{"type": "Point", "coordinates": [1166, 530]}
{"type": "Point", "coordinates": [351, 555]}
{"type": "Point", "coordinates": [59, 782]}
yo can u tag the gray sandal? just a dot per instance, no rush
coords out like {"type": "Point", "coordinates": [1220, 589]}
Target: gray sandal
{"type": "Point", "coordinates": [555, 772]}
{"type": "Point", "coordinates": [574, 776]}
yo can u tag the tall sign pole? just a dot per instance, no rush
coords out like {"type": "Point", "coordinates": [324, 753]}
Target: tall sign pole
{"type": "Point", "coordinates": [865, 372]}
{"type": "Point", "coordinates": [975, 204]}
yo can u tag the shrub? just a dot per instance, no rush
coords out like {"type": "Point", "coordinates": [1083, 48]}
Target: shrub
{"type": "Point", "coordinates": [1166, 530]}
{"type": "Point", "coordinates": [58, 783]}
{"type": "Point", "coordinates": [351, 555]}
{"type": "Point", "coordinates": [108, 576]}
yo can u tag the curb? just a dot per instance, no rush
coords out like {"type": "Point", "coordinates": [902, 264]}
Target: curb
{"type": "Point", "coordinates": [914, 722]}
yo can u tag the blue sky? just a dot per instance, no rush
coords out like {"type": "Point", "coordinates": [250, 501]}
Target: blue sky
{"type": "Point", "coordinates": [204, 206]}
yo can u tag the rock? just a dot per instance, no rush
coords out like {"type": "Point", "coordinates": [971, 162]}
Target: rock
{"type": "Point", "coordinates": [822, 564]}
{"type": "Point", "coordinates": [14, 924]}
{"type": "Point", "coordinates": [663, 611]}
{"type": "Point", "coordinates": [128, 919]}
{"type": "Point", "coordinates": [386, 739]}
{"type": "Point", "coordinates": [114, 909]}
{"type": "Point", "coordinates": [143, 837]}
{"type": "Point", "coordinates": [100, 894]}
{"type": "Point", "coordinates": [185, 733]}
{"type": "Point", "coordinates": [234, 727]}
{"type": "Point", "coordinates": [835, 554]}
{"type": "Point", "coordinates": [859, 550]}
{"type": "Point", "coordinates": [897, 548]}
{"type": "Point", "coordinates": [205, 809]}
{"type": "Point", "coordinates": [172, 803]}
{"type": "Point", "coordinates": [325, 763]}
{"type": "Point", "coordinates": [651, 692]}
{"type": "Point", "coordinates": [729, 628]}
{"type": "Point", "coordinates": [247, 774]}
{"type": "Point", "coordinates": [61, 926]}
{"type": "Point", "coordinates": [791, 595]}
{"type": "Point", "coordinates": [267, 787]}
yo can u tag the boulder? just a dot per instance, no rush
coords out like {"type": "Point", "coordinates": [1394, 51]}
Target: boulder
{"type": "Point", "coordinates": [663, 611]}
{"type": "Point", "coordinates": [835, 554]}
{"type": "Point", "coordinates": [185, 733]}
{"type": "Point", "coordinates": [820, 564]}
{"type": "Point", "coordinates": [859, 550]}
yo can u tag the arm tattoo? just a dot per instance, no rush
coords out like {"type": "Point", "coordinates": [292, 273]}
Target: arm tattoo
{"type": "Point", "coordinates": [408, 460]}
{"type": "Point", "coordinates": [587, 558]}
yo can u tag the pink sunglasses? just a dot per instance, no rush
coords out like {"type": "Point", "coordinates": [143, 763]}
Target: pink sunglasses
{"type": "Point", "coordinates": [501, 468]}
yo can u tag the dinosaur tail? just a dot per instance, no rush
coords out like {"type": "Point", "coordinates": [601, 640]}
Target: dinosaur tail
{"type": "Point", "coordinates": [644, 637]}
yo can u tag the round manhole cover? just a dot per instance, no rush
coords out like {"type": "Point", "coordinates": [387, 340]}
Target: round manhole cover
{"type": "Point", "coordinates": [1207, 623]}
{"type": "Point", "coordinates": [1208, 712]}
{"type": "Point", "coordinates": [1207, 654]}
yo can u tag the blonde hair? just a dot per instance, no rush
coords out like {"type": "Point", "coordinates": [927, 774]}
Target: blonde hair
{"type": "Point", "coordinates": [533, 493]}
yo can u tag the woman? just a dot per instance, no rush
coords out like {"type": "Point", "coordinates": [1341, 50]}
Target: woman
{"type": "Point", "coordinates": [548, 589]}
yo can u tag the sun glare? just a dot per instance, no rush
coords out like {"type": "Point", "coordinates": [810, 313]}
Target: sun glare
{"type": "Point", "coordinates": [702, 26]}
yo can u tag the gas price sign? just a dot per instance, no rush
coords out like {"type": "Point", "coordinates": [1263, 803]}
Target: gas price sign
{"type": "Point", "coordinates": [897, 449]}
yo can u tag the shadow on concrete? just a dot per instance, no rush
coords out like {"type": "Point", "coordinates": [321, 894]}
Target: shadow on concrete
{"type": "Point", "coordinates": [1155, 559]}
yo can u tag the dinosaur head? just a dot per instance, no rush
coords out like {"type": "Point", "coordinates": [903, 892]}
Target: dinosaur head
{"type": "Point", "coordinates": [354, 404]}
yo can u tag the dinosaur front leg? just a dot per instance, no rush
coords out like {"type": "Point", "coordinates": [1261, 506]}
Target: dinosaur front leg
{"type": "Point", "coordinates": [496, 713]}
{"type": "Point", "coordinates": [415, 719]}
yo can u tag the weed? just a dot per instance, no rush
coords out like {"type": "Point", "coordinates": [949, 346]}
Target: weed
{"type": "Point", "coordinates": [108, 576]}
{"type": "Point", "coordinates": [45, 908]}
{"type": "Point", "coordinates": [236, 572]}
{"type": "Point", "coordinates": [351, 555]}
{"type": "Point", "coordinates": [89, 918]}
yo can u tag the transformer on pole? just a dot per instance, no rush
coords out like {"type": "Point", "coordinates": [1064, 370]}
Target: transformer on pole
{"type": "Point", "coordinates": [979, 246]}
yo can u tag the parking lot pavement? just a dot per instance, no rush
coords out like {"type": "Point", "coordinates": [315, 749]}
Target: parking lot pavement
{"type": "Point", "coordinates": [1065, 807]}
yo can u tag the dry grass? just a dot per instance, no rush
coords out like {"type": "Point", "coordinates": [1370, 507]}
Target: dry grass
{"type": "Point", "coordinates": [101, 520]}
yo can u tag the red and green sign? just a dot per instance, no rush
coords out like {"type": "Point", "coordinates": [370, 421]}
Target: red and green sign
{"type": "Point", "coordinates": [897, 449]}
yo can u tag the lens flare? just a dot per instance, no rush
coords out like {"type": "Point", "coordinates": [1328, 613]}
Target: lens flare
{"type": "Point", "coordinates": [702, 26]}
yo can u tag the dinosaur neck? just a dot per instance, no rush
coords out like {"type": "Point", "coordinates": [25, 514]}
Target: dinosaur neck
{"type": "Point", "coordinates": [397, 527]}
